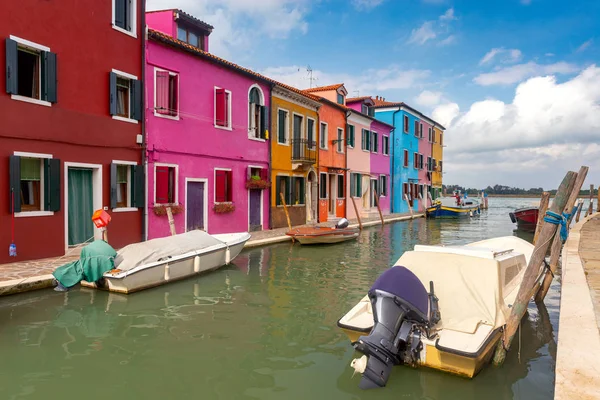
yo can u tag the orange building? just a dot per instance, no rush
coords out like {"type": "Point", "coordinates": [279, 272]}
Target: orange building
{"type": "Point", "coordinates": [332, 151]}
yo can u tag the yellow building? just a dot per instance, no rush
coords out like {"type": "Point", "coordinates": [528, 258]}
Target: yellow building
{"type": "Point", "coordinates": [294, 156]}
{"type": "Point", "coordinates": [437, 155]}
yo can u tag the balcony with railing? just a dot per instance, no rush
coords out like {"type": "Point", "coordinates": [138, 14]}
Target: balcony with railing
{"type": "Point", "coordinates": [304, 151]}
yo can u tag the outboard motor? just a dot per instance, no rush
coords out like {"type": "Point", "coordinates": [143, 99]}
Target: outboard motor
{"type": "Point", "coordinates": [342, 224]}
{"type": "Point", "coordinates": [402, 311]}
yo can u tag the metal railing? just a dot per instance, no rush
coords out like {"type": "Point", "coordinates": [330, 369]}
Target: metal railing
{"type": "Point", "coordinates": [304, 151]}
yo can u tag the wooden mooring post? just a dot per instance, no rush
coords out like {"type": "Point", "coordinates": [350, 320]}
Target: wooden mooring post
{"type": "Point", "coordinates": [379, 208]}
{"type": "Point", "coordinates": [531, 272]}
{"type": "Point", "coordinates": [556, 248]}
{"type": "Point", "coordinates": [356, 212]}
{"type": "Point", "coordinates": [171, 221]}
{"type": "Point", "coordinates": [409, 206]}
{"type": "Point", "coordinates": [287, 214]}
{"type": "Point", "coordinates": [579, 207]}
{"type": "Point", "coordinates": [590, 210]}
{"type": "Point", "coordinates": [542, 211]}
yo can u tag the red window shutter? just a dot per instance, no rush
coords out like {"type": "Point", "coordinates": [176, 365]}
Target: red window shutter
{"type": "Point", "coordinates": [221, 106]}
{"type": "Point", "coordinates": [220, 182]}
{"type": "Point", "coordinates": [226, 107]}
{"type": "Point", "coordinates": [229, 192]}
{"type": "Point", "coordinates": [263, 174]}
{"type": "Point", "coordinates": [162, 185]}
{"type": "Point", "coordinates": [162, 92]}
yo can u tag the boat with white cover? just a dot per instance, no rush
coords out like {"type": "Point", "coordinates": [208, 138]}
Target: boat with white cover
{"type": "Point", "coordinates": [159, 261]}
{"type": "Point", "coordinates": [455, 326]}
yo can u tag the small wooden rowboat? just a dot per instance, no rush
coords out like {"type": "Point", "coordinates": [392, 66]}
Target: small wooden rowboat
{"type": "Point", "coordinates": [324, 234]}
{"type": "Point", "coordinates": [525, 218]}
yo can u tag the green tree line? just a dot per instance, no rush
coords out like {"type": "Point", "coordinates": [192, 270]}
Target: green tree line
{"type": "Point", "coordinates": [506, 190]}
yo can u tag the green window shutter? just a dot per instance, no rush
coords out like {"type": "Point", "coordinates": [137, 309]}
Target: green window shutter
{"type": "Point", "coordinates": [138, 186]}
{"type": "Point", "coordinates": [352, 185]}
{"type": "Point", "coordinates": [113, 93]}
{"type": "Point", "coordinates": [113, 185]}
{"type": "Point", "coordinates": [49, 76]}
{"type": "Point", "coordinates": [136, 99]}
{"type": "Point", "coordinates": [264, 121]}
{"type": "Point", "coordinates": [352, 130]}
{"type": "Point", "coordinates": [288, 199]}
{"type": "Point", "coordinates": [359, 185]}
{"type": "Point", "coordinates": [11, 68]}
{"type": "Point", "coordinates": [52, 184]}
{"type": "Point", "coordinates": [292, 191]}
{"type": "Point", "coordinates": [302, 195]}
{"type": "Point", "coordinates": [281, 126]}
{"type": "Point", "coordinates": [14, 199]}
{"type": "Point", "coordinates": [277, 190]}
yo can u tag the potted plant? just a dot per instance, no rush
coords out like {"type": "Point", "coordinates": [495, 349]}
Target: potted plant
{"type": "Point", "coordinates": [161, 209]}
{"type": "Point", "coordinates": [256, 182]}
{"type": "Point", "coordinates": [223, 208]}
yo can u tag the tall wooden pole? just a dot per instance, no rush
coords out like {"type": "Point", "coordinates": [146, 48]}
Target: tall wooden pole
{"type": "Point", "coordinates": [287, 215]}
{"type": "Point", "coordinates": [409, 206]}
{"type": "Point", "coordinates": [542, 211]}
{"type": "Point", "coordinates": [379, 208]}
{"type": "Point", "coordinates": [557, 242]}
{"type": "Point", "coordinates": [171, 221]}
{"type": "Point", "coordinates": [356, 212]}
{"type": "Point", "coordinates": [531, 272]}
{"type": "Point", "coordinates": [592, 199]}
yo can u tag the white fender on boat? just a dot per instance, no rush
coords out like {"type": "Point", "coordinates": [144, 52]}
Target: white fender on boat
{"type": "Point", "coordinates": [227, 256]}
{"type": "Point", "coordinates": [359, 364]}
{"type": "Point", "coordinates": [197, 264]}
{"type": "Point", "coordinates": [167, 272]}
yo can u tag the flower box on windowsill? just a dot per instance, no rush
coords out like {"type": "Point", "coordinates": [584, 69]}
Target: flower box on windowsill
{"type": "Point", "coordinates": [224, 208]}
{"type": "Point", "coordinates": [161, 210]}
{"type": "Point", "coordinates": [256, 182]}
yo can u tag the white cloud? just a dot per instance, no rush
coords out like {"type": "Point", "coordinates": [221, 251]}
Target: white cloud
{"type": "Point", "coordinates": [240, 23]}
{"type": "Point", "coordinates": [519, 72]}
{"type": "Point", "coordinates": [366, 4]}
{"type": "Point", "coordinates": [369, 82]}
{"type": "Point", "coordinates": [584, 46]}
{"type": "Point", "coordinates": [549, 54]}
{"type": "Point", "coordinates": [445, 113]}
{"type": "Point", "coordinates": [506, 55]}
{"type": "Point", "coordinates": [428, 98]}
{"type": "Point", "coordinates": [430, 30]}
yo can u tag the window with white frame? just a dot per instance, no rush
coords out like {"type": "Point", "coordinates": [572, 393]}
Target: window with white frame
{"type": "Point", "coordinates": [166, 184]}
{"type": "Point", "coordinates": [323, 186]}
{"type": "Point", "coordinates": [323, 136]}
{"type": "Point", "coordinates": [355, 185]}
{"type": "Point", "coordinates": [125, 96]}
{"type": "Point", "coordinates": [223, 186]}
{"type": "Point", "coordinates": [340, 140]}
{"type": "Point", "coordinates": [310, 133]}
{"type": "Point", "coordinates": [385, 142]}
{"type": "Point", "coordinates": [222, 108]}
{"type": "Point", "coordinates": [383, 185]}
{"type": "Point", "coordinates": [257, 112]}
{"type": "Point", "coordinates": [166, 93]}
{"type": "Point", "coordinates": [283, 126]}
{"type": "Point", "coordinates": [124, 15]}
{"type": "Point", "coordinates": [375, 143]}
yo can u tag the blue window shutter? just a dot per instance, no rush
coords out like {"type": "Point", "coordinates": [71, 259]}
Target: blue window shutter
{"type": "Point", "coordinates": [14, 199]}
{"type": "Point", "coordinates": [49, 76]}
{"type": "Point", "coordinates": [113, 93]}
{"type": "Point", "coordinates": [11, 68]}
{"type": "Point", "coordinates": [113, 185]}
{"type": "Point", "coordinates": [52, 184]}
{"type": "Point", "coordinates": [138, 186]}
{"type": "Point", "coordinates": [136, 99]}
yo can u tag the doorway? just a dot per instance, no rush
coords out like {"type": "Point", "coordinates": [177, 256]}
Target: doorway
{"type": "Point", "coordinates": [374, 192]}
{"type": "Point", "coordinates": [312, 197]}
{"type": "Point", "coordinates": [254, 209]}
{"type": "Point", "coordinates": [83, 195]}
{"type": "Point", "coordinates": [195, 205]}
{"type": "Point", "coordinates": [332, 194]}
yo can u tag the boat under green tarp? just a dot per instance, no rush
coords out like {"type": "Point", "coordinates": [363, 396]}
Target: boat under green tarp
{"type": "Point", "coordinates": [96, 258]}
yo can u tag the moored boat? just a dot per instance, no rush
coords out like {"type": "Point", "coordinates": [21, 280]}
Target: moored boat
{"type": "Point", "coordinates": [525, 218]}
{"type": "Point", "coordinates": [323, 234]}
{"type": "Point", "coordinates": [448, 209]}
{"type": "Point", "coordinates": [159, 261]}
{"type": "Point", "coordinates": [455, 326]}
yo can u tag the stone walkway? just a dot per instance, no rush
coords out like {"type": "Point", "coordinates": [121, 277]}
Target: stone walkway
{"type": "Point", "coordinates": [36, 274]}
{"type": "Point", "coordinates": [589, 250]}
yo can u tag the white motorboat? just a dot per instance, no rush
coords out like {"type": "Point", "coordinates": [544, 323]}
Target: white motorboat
{"type": "Point", "coordinates": [455, 326]}
{"type": "Point", "coordinates": [158, 261]}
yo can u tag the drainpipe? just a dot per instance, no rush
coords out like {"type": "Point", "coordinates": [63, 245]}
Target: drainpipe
{"type": "Point", "coordinates": [346, 175]}
{"type": "Point", "coordinates": [143, 125]}
{"type": "Point", "coordinates": [393, 172]}
{"type": "Point", "coordinates": [270, 141]}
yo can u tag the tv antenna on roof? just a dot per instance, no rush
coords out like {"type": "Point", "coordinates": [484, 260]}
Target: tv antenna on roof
{"type": "Point", "coordinates": [357, 93]}
{"type": "Point", "coordinates": [310, 76]}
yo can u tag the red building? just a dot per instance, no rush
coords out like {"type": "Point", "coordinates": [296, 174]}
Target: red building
{"type": "Point", "coordinates": [71, 126]}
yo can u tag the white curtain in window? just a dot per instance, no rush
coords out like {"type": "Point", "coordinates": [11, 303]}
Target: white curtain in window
{"type": "Point", "coordinates": [120, 101]}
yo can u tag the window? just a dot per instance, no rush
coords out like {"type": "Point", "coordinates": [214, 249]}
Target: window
{"type": "Point", "coordinates": [405, 158]}
{"type": "Point", "coordinates": [257, 112]}
{"type": "Point", "coordinates": [430, 135]}
{"type": "Point", "coordinates": [311, 133]}
{"type": "Point", "coordinates": [375, 143]}
{"type": "Point", "coordinates": [441, 139]}
{"type": "Point", "coordinates": [386, 145]}
{"type": "Point", "coordinates": [223, 186]}
{"type": "Point", "coordinates": [283, 187]}
{"type": "Point", "coordinates": [340, 98]}
{"type": "Point", "coordinates": [323, 136]}
{"type": "Point", "coordinates": [434, 164]}
{"type": "Point", "coordinates": [366, 140]}
{"type": "Point", "coordinates": [434, 138]}
{"type": "Point", "coordinates": [191, 37]}
{"type": "Point", "coordinates": [406, 124]}
{"type": "Point", "coordinates": [416, 160]}
{"type": "Point", "coordinates": [421, 161]}
{"type": "Point", "coordinates": [298, 191]}
{"type": "Point", "coordinates": [124, 16]}
{"type": "Point", "coordinates": [123, 198]}
{"type": "Point", "coordinates": [166, 96]}
{"type": "Point", "coordinates": [340, 140]}
{"type": "Point", "coordinates": [323, 186]}
{"type": "Point", "coordinates": [166, 184]}
{"type": "Point", "coordinates": [421, 131]}
{"type": "Point", "coordinates": [350, 135]}
{"type": "Point", "coordinates": [372, 111]}
{"type": "Point", "coordinates": [35, 181]}
{"type": "Point", "coordinates": [127, 185]}
{"type": "Point", "coordinates": [282, 126]}
{"type": "Point", "coordinates": [222, 108]}
{"type": "Point", "coordinates": [340, 187]}
{"type": "Point", "coordinates": [440, 168]}
{"type": "Point", "coordinates": [428, 163]}
{"type": "Point", "coordinates": [355, 185]}
{"type": "Point", "coordinates": [364, 108]}
{"type": "Point", "coordinates": [30, 71]}
{"type": "Point", "coordinates": [383, 185]}
{"type": "Point", "coordinates": [417, 128]}
{"type": "Point", "coordinates": [125, 96]}
{"type": "Point", "coordinates": [405, 191]}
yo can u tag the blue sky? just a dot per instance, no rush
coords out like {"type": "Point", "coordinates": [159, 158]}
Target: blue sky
{"type": "Point", "coordinates": [504, 76]}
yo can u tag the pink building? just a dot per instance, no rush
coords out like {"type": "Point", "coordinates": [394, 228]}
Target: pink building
{"type": "Point", "coordinates": [380, 162]}
{"type": "Point", "coordinates": [207, 132]}
{"type": "Point", "coordinates": [425, 167]}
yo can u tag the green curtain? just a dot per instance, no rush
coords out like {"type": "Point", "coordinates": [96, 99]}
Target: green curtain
{"type": "Point", "coordinates": [30, 169]}
{"type": "Point", "coordinates": [81, 206]}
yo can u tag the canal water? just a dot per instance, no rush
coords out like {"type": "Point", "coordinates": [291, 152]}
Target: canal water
{"type": "Point", "coordinates": [261, 328]}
